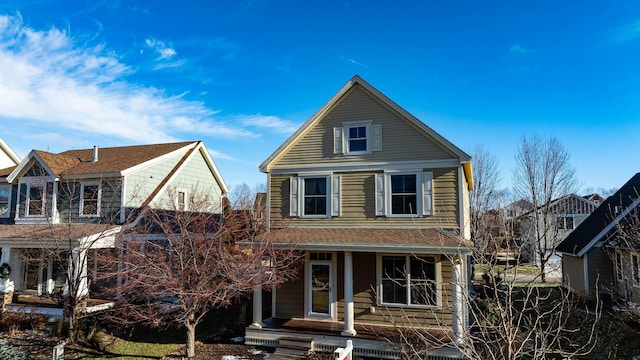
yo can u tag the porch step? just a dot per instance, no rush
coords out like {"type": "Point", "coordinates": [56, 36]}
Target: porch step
{"type": "Point", "coordinates": [296, 346]}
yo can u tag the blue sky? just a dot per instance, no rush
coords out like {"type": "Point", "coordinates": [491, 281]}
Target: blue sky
{"type": "Point", "coordinates": [243, 75]}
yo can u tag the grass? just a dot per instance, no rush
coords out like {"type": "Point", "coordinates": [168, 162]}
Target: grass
{"type": "Point", "coordinates": [126, 350]}
{"type": "Point", "coordinates": [510, 269]}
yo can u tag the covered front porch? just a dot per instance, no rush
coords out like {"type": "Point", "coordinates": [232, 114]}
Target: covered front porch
{"type": "Point", "coordinates": [370, 286]}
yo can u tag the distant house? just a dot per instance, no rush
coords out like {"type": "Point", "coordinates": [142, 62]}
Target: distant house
{"type": "Point", "coordinates": [63, 208]}
{"type": "Point", "coordinates": [564, 215]}
{"type": "Point", "coordinates": [379, 204]}
{"type": "Point", "coordinates": [597, 255]}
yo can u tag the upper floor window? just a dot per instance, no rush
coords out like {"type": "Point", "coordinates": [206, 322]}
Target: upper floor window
{"type": "Point", "coordinates": [315, 196]}
{"type": "Point", "coordinates": [5, 200]}
{"type": "Point", "coordinates": [404, 194]}
{"type": "Point", "coordinates": [361, 137]}
{"type": "Point", "coordinates": [90, 197]}
{"type": "Point", "coordinates": [565, 222]}
{"type": "Point", "coordinates": [35, 200]}
{"type": "Point", "coordinates": [408, 280]}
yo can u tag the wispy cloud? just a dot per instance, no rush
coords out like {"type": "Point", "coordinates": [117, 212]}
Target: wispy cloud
{"type": "Point", "coordinates": [354, 62]}
{"type": "Point", "coordinates": [161, 48]}
{"type": "Point", "coordinates": [519, 49]}
{"type": "Point", "coordinates": [627, 33]}
{"type": "Point", "coordinates": [46, 78]}
{"type": "Point", "coordinates": [272, 123]}
{"type": "Point", "coordinates": [218, 155]}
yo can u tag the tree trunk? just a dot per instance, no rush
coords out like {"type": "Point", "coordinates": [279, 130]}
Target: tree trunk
{"type": "Point", "coordinates": [543, 275]}
{"type": "Point", "coordinates": [191, 337]}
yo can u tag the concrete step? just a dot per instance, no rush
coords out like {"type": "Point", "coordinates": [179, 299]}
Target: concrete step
{"type": "Point", "coordinates": [294, 346]}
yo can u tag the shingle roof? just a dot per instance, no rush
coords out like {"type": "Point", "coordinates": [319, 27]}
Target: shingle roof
{"type": "Point", "coordinates": [50, 235]}
{"type": "Point", "coordinates": [369, 237]}
{"type": "Point", "coordinates": [603, 215]}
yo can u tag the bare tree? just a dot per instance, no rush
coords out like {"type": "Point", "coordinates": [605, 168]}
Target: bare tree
{"type": "Point", "coordinates": [543, 173]}
{"type": "Point", "coordinates": [176, 266]}
{"type": "Point", "coordinates": [486, 176]}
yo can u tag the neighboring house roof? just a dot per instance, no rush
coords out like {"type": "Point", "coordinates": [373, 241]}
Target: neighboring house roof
{"type": "Point", "coordinates": [42, 236]}
{"type": "Point", "coordinates": [463, 157]}
{"type": "Point", "coordinates": [603, 219]}
{"type": "Point", "coordinates": [111, 161]}
{"type": "Point", "coordinates": [559, 201]}
{"type": "Point", "coordinates": [378, 239]}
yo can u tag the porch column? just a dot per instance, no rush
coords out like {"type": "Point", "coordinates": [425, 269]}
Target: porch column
{"type": "Point", "coordinates": [7, 286]}
{"type": "Point", "coordinates": [257, 308]}
{"type": "Point", "coordinates": [349, 329]}
{"type": "Point", "coordinates": [78, 272]}
{"type": "Point", "coordinates": [458, 300]}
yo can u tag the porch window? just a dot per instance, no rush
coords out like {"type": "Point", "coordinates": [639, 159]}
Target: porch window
{"type": "Point", "coordinates": [619, 274]}
{"type": "Point", "coordinates": [635, 268]}
{"type": "Point", "coordinates": [5, 200]}
{"type": "Point", "coordinates": [409, 280]}
{"type": "Point", "coordinates": [35, 200]}
{"type": "Point", "coordinates": [90, 194]}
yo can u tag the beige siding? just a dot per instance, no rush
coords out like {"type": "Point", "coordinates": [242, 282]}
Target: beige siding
{"type": "Point", "coordinates": [290, 299]}
{"type": "Point", "coordinates": [400, 140]}
{"type": "Point", "coordinates": [600, 270]}
{"type": "Point", "coordinates": [573, 273]}
{"type": "Point", "coordinates": [358, 202]}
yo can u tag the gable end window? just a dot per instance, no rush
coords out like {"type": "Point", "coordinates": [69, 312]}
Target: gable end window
{"type": "Point", "coordinates": [408, 280]}
{"type": "Point", "coordinates": [5, 201]}
{"type": "Point", "coordinates": [35, 200]}
{"type": "Point", "coordinates": [90, 198]}
{"type": "Point", "coordinates": [404, 194]}
{"type": "Point", "coordinates": [315, 196]}
{"type": "Point", "coordinates": [354, 138]}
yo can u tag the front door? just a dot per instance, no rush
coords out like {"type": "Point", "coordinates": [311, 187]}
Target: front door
{"type": "Point", "coordinates": [320, 288]}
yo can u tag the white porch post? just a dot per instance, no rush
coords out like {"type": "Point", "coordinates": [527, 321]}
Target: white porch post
{"type": "Point", "coordinates": [349, 329]}
{"type": "Point", "coordinates": [257, 308]}
{"type": "Point", "coordinates": [7, 286]}
{"type": "Point", "coordinates": [78, 272]}
{"type": "Point", "coordinates": [458, 300]}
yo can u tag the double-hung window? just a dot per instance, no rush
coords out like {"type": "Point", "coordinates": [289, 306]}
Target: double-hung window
{"type": "Point", "coordinates": [357, 137]}
{"type": "Point", "coordinates": [90, 197]}
{"type": "Point", "coordinates": [315, 196]}
{"type": "Point", "coordinates": [408, 280]}
{"type": "Point", "coordinates": [5, 200]}
{"type": "Point", "coordinates": [35, 200]}
{"type": "Point", "coordinates": [405, 194]}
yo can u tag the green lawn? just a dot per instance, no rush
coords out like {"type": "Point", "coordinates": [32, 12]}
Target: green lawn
{"type": "Point", "coordinates": [127, 350]}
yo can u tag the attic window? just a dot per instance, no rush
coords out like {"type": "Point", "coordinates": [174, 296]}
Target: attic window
{"type": "Point", "coordinates": [357, 137]}
{"type": "Point", "coordinates": [5, 200]}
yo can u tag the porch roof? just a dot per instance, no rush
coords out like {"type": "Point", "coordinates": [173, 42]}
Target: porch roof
{"type": "Point", "coordinates": [371, 239]}
{"type": "Point", "coordinates": [56, 235]}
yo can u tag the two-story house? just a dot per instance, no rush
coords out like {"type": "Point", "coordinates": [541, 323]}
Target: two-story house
{"type": "Point", "coordinates": [379, 203]}
{"type": "Point", "coordinates": [77, 202]}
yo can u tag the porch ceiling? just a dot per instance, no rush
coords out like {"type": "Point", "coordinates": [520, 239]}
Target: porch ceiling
{"type": "Point", "coordinates": [58, 235]}
{"type": "Point", "coordinates": [370, 239]}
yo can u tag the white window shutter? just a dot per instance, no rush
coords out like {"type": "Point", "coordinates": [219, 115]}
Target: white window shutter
{"type": "Point", "coordinates": [335, 196]}
{"type": "Point", "coordinates": [337, 140]}
{"type": "Point", "coordinates": [380, 195]}
{"type": "Point", "coordinates": [376, 138]}
{"type": "Point", "coordinates": [293, 196]}
{"type": "Point", "coordinates": [427, 193]}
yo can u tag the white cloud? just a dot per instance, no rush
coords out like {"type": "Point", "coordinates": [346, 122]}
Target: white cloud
{"type": "Point", "coordinates": [273, 123]}
{"type": "Point", "coordinates": [164, 52]}
{"type": "Point", "coordinates": [519, 49]}
{"type": "Point", "coordinates": [47, 79]}
{"type": "Point", "coordinates": [626, 33]}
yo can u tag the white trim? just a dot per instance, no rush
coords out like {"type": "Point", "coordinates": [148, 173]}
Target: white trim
{"type": "Point", "coordinates": [99, 200]}
{"type": "Point", "coordinates": [184, 191]}
{"type": "Point", "coordinates": [461, 205]}
{"type": "Point", "coordinates": [10, 187]}
{"type": "Point", "coordinates": [609, 226]}
{"type": "Point", "coordinates": [332, 195]}
{"type": "Point", "coordinates": [424, 193]}
{"type": "Point", "coordinates": [360, 166]}
{"type": "Point", "coordinates": [123, 199]}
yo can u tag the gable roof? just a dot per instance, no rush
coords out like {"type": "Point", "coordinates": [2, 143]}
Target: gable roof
{"type": "Point", "coordinates": [554, 204]}
{"type": "Point", "coordinates": [603, 219]}
{"type": "Point", "coordinates": [10, 157]}
{"type": "Point", "coordinates": [463, 157]}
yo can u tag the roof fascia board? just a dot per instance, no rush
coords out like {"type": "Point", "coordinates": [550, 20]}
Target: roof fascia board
{"type": "Point", "coordinates": [9, 151]}
{"type": "Point", "coordinates": [157, 159]}
{"type": "Point", "coordinates": [449, 250]}
{"type": "Point", "coordinates": [266, 165]}
{"type": "Point", "coordinates": [364, 166]}
{"type": "Point", "coordinates": [609, 226]}
{"type": "Point", "coordinates": [214, 169]}
{"type": "Point", "coordinates": [25, 162]}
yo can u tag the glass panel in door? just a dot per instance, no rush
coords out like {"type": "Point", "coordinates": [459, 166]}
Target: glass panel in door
{"type": "Point", "coordinates": [320, 289]}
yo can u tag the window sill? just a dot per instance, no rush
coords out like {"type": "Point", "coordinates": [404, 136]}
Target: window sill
{"type": "Point", "coordinates": [412, 306]}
